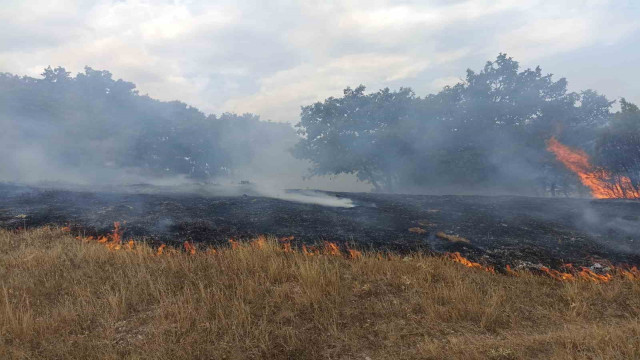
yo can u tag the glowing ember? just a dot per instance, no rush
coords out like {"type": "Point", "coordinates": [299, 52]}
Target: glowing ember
{"type": "Point", "coordinates": [601, 183]}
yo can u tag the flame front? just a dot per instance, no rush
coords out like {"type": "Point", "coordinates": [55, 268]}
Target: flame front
{"type": "Point", "coordinates": [601, 183]}
{"type": "Point", "coordinates": [457, 257]}
{"type": "Point", "coordinates": [113, 241]}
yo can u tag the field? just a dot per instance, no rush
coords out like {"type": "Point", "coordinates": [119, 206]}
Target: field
{"type": "Point", "coordinates": [500, 230]}
{"type": "Point", "coordinates": [64, 298]}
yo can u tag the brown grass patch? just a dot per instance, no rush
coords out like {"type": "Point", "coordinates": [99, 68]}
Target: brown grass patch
{"type": "Point", "coordinates": [417, 230]}
{"type": "Point", "coordinates": [62, 298]}
{"type": "Point", "coordinates": [452, 238]}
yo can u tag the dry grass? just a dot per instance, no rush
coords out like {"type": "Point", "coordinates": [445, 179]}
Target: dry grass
{"type": "Point", "coordinates": [61, 298]}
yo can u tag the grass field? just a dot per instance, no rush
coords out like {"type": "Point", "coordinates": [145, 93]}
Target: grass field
{"type": "Point", "coordinates": [61, 298]}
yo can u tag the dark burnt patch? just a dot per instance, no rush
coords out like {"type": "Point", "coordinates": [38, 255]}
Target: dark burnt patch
{"type": "Point", "coordinates": [500, 230]}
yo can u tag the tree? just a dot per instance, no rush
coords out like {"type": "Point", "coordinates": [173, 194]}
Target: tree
{"type": "Point", "coordinates": [357, 133]}
{"type": "Point", "coordinates": [618, 147]}
{"type": "Point", "coordinates": [488, 131]}
{"type": "Point", "coordinates": [94, 127]}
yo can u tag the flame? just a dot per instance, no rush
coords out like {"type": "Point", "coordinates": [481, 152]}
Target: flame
{"type": "Point", "coordinates": [310, 250]}
{"type": "Point", "coordinates": [189, 248]}
{"type": "Point", "coordinates": [509, 271]}
{"type": "Point", "coordinates": [331, 248]}
{"type": "Point", "coordinates": [555, 274]}
{"type": "Point", "coordinates": [286, 244]}
{"type": "Point", "coordinates": [354, 254]}
{"type": "Point", "coordinates": [113, 241]}
{"type": "Point", "coordinates": [601, 183]}
{"type": "Point", "coordinates": [259, 242]}
{"type": "Point", "coordinates": [468, 263]}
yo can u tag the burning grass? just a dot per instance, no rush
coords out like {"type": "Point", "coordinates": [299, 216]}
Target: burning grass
{"type": "Point", "coordinates": [65, 298]}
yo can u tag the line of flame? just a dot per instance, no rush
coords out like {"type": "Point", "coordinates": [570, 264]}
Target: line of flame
{"type": "Point", "coordinates": [601, 183]}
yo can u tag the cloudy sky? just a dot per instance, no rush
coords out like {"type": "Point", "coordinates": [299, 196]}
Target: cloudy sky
{"type": "Point", "coordinates": [271, 57]}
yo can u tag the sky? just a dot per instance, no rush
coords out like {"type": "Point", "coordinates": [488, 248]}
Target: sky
{"type": "Point", "coordinates": [272, 57]}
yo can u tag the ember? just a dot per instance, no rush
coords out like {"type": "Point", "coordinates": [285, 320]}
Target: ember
{"type": "Point", "coordinates": [601, 183]}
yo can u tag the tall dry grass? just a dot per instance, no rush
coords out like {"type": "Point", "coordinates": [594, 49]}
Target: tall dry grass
{"type": "Point", "coordinates": [64, 299]}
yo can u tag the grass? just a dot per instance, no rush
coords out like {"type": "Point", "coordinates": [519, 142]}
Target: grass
{"type": "Point", "coordinates": [62, 298]}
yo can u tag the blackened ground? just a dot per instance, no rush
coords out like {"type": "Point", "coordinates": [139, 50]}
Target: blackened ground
{"type": "Point", "coordinates": [500, 229]}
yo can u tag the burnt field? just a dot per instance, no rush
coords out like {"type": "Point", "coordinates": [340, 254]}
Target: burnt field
{"type": "Point", "coordinates": [498, 230]}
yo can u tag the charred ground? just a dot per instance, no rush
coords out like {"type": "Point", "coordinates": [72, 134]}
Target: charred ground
{"type": "Point", "coordinates": [500, 229]}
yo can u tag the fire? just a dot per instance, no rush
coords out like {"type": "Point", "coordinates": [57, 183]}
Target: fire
{"type": "Point", "coordinates": [468, 263]}
{"type": "Point", "coordinates": [309, 250]}
{"type": "Point", "coordinates": [113, 241]}
{"type": "Point", "coordinates": [286, 243]}
{"type": "Point", "coordinates": [259, 242]}
{"type": "Point", "coordinates": [189, 248]}
{"type": "Point", "coordinates": [601, 183]}
{"type": "Point", "coordinates": [354, 254]}
{"type": "Point", "coordinates": [331, 248]}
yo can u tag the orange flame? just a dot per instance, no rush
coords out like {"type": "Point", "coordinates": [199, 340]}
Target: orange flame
{"type": "Point", "coordinates": [331, 248]}
{"type": "Point", "coordinates": [510, 271]}
{"type": "Point", "coordinates": [599, 181]}
{"type": "Point", "coordinates": [286, 244]}
{"type": "Point", "coordinates": [114, 242]}
{"type": "Point", "coordinates": [354, 254]}
{"type": "Point", "coordinates": [259, 242]}
{"type": "Point", "coordinates": [468, 263]}
{"type": "Point", "coordinates": [188, 247]}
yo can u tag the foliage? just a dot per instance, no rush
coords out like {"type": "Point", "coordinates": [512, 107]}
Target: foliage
{"type": "Point", "coordinates": [92, 123]}
{"type": "Point", "coordinates": [489, 131]}
{"type": "Point", "coordinates": [618, 146]}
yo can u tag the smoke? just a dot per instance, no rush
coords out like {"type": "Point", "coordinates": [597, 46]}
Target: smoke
{"type": "Point", "coordinates": [485, 135]}
{"type": "Point", "coordinates": [90, 130]}
{"type": "Point", "coordinates": [617, 229]}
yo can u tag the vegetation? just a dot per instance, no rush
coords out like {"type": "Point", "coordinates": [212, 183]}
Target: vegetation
{"type": "Point", "coordinates": [90, 124]}
{"type": "Point", "coordinates": [63, 298]}
{"type": "Point", "coordinates": [488, 131]}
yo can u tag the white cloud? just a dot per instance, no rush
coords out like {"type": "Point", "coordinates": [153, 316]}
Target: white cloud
{"type": "Point", "coordinates": [273, 57]}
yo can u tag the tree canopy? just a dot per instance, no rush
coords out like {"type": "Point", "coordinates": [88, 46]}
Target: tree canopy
{"type": "Point", "coordinates": [488, 131]}
{"type": "Point", "coordinates": [92, 123]}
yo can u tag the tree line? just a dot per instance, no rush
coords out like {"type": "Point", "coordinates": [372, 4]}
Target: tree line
{"type": "Point", "coordinates": [487, 132]}
{"type": "Point", "coordinates": [91, 122]}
